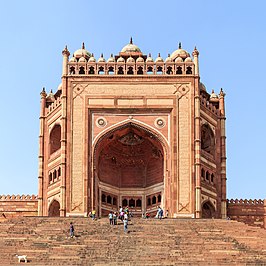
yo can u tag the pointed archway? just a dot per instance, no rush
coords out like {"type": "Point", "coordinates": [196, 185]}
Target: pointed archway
{"type": "Point", "coordinates": [54, 209]}
{"type": "Point", "coordinates": [129, 170]}
{"type": "Point", "coordinates": [208, 210]}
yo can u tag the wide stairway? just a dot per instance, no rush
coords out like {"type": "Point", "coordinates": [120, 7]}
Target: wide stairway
{"type": "Point", "coordinates": [46, 241]}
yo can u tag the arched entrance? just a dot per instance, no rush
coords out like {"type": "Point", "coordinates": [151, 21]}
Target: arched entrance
{"type": "Point", "coordinates": [208, 210]}
{"type": "Point", "coordinates": [129, 170]}
{"type": "Point", "coordinates": [54, 209]}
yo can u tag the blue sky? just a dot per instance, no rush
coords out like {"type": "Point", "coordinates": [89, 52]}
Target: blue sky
{"type": "Point", "coordinates": [230, 36]}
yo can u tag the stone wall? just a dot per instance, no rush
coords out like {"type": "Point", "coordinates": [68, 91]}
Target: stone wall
{"type": "Point", "coordinates": [19, 205]}
{"type": "Point", "coordinates": [251, 212]}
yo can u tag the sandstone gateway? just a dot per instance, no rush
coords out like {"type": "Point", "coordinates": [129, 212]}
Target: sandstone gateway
{"type": "Point", "coordinates": [132, 131]}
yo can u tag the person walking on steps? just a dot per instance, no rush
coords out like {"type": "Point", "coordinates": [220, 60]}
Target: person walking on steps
{"type": "Point", "coordinates": [72, 230]}
{"type": "Point", "coordinates": [125, 221]}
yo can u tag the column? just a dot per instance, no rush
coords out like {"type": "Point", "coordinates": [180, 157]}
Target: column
{"type": "Point", "coordinates": [41, 153]}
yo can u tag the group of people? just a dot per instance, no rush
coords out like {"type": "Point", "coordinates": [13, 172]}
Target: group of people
{"type": "Point", "coordinates": [124, 215]}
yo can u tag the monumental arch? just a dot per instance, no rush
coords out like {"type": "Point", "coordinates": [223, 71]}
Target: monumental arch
{"type": "Point", "coordinates": [132, 131]}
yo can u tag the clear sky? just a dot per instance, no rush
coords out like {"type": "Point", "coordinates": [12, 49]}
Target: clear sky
{"type": "Point", "coordinates": [230, 36]}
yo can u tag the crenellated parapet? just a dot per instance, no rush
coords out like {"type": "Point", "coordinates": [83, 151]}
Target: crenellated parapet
{"type": "Point", "coordinates": [245, 201]}
{"type": "Point", "coordinates": [249, 211]}
{"type": "Point", "coordinates": [18, 205]}
{"type": "Point", "coordinates": [209, 105]}
{"type": "Point", "coordinates": [53, 105]}
{"type": "Point", "coordinates": [18, 197]}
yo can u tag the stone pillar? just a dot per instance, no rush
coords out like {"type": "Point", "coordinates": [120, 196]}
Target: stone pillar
{"type": "Point", "coordinates": [223, 155]}
{"type": "Point", "coordinates": [66, 54]}
{"type": "Point", "coordinates": [41, 153]}
{"type": "Point", "coordinates": [197, 140]}
{"type": "Point", "coordinates": [195, 54]}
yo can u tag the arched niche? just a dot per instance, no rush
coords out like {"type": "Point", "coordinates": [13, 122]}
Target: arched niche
{"type": "Point", "coordinates": [54, 209]}
{"type": "Point", "coordinates": [208, 210]}
{"type": "Point", "coordinates": [55, 139]}
{"type": "Point", "coordinates": [129, 157]}
{"type": "Point", "coordinates": [207, 139]}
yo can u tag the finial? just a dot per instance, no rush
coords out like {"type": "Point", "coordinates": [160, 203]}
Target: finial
{"type": "Point", "coordinates": [149, 54]}
{"type": "Point", "coordinates": [43, 93]}
{"type": "Point", "coordinates": [83, 45]}
{"type": "Point", "coordinates": [131, 41]}
{"type": "Point", "coordinates": [221, 94]}
{"type": "Point", "coordinates": [92, 54]}
{"type": "Point", "coordinates": [159, 55]}
{"type": "Point", "coordinates": [112, 55]}
{"type": "Point", "coordinates": [65, 51]}
{"type": "Point", "coordinates": [168, 55]}
{"type": "Point", "coordinates": [101, 54]}
{"type": "Point", "coordinates": [51, 92]}
{"type": "Point", "coordinates": [195, 52]}
{"type": "Point", "coordinates": [179, 45]}
{"type": "Point", "coordinates": [212, 90]}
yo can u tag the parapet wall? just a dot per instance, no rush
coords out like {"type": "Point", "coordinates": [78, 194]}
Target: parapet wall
{"type": "Point", "coordinates": [19, 205]}
{"type": "Point", "coordinates": [251, 212]}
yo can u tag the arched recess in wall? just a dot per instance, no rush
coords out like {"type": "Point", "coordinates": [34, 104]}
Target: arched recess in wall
{"type": "Point", "coordinates": [54, 209]}
{"type": "Point", "coordinates": [207, 139]}
{"type": "Point", "coordinates": [130, 155]}
{"type": "Point", "coordinates": [133, 155]}
{"type": "Point", "coordinates": [55, 139]}
{"type": "Point", "coordinates": [208, 210]}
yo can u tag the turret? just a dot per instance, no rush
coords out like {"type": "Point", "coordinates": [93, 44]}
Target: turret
{"type": "Point", "coordinates": [195, 54]}
{"type": "Point", "coordinates": [66, 54]}
{"type": "Point", "coordinates": [221, 102]}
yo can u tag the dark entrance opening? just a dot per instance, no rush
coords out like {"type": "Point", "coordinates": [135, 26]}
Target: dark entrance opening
{"type": "Point", "coordinates": [54, 209]}
{"type": "Point", "coordinates": [208, 210]}
{"type": "Point", "coordinates": [130, 165]}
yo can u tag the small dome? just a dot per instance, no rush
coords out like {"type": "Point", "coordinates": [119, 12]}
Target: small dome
{"type": "Point", "coordinates": [202, 86]}
{"type": "Point", "coordinates": [130, 48]}
{"type": "Point", "coordinates": [180, 53]}
{"type": "Point", "coordinates": [149, 59]}
{"type": "Point", "coordinates": [120, 60]}
{"type": "Point", "coordinates": [159, 59]}
{"type": "Point", "coordinates": [73, 59]}
{"type": "Point", "coordinates": [188, 59]}
{"type": "Point", "coordinates": [50, 97]}
{"type": "Point", "coordinates": [101, 59]}
{"type": "Point", "coordinates": [82, 60]}
{"type": "Point", "coordinates": [111, 59]}
{"type": "Point", "coordinates": [92, 59]}
{"type": "Point", "coordinates": [82, 53]}
{"type": "Point", "coordinates": [168, 59]}
{"type": "Point", "coordinates": [130, 60]}
{"type": "Point", "coordinates": [178, 60]}
{"type": "Point", "coordinates": [140, 60]}
{"type": "Point", "coordinates": [214, 97]}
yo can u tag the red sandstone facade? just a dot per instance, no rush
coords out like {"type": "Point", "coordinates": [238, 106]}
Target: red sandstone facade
{"type": "Point", "coordinates": [133, 131]}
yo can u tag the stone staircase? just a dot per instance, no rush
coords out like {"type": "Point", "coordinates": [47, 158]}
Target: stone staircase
{"type": "Point", "coordinates": [46, 241]}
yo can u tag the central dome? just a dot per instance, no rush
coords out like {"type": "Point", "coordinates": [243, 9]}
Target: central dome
{"type": "Point", "coordinates": [82, 53]}
{"type": "Point", "coordinates": [180, 53]}
{"type": "Point", "coordinates": [130, 48]}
